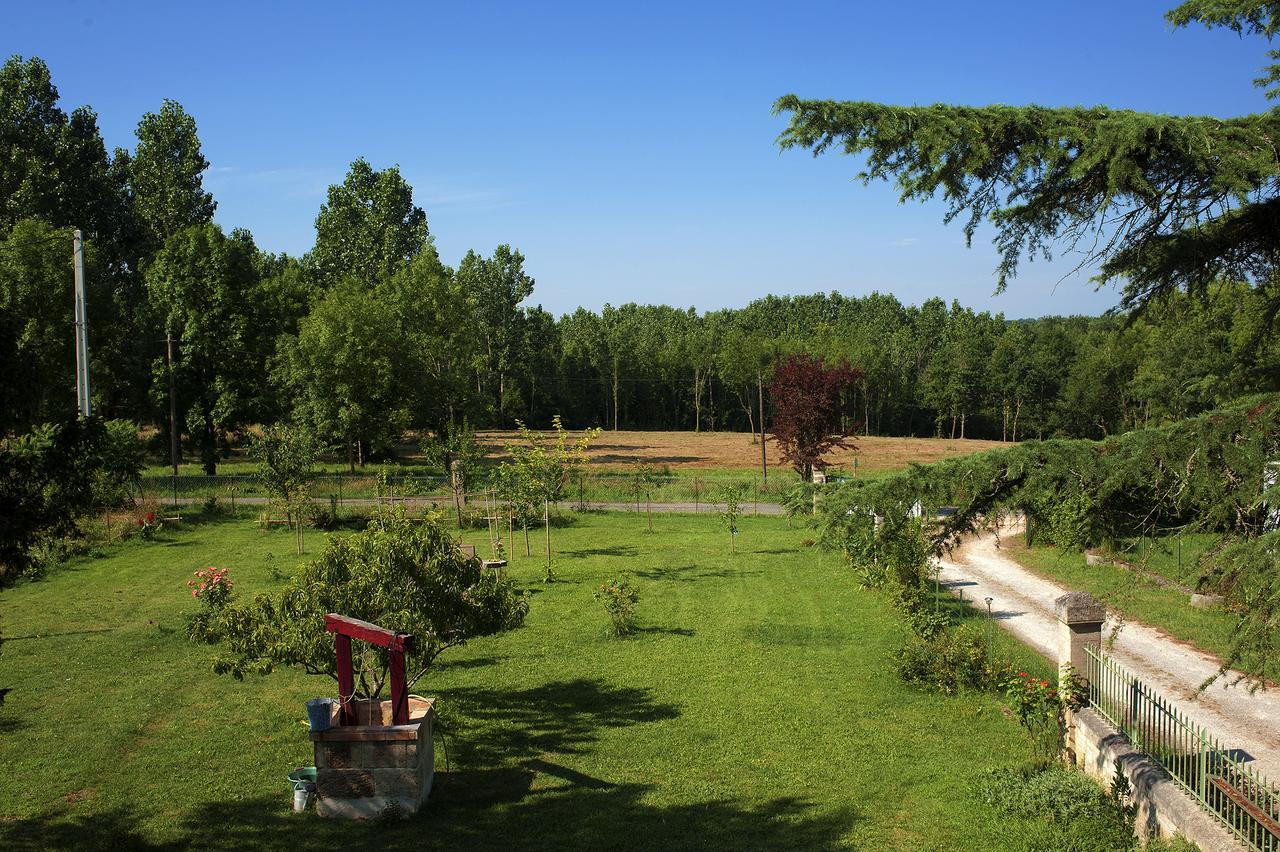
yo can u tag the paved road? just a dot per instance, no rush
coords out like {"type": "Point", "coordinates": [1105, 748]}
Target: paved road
{"type": "Point", "coordinates": [420, 502]}
{"type": "Point", "coordinates": [1023, 605]}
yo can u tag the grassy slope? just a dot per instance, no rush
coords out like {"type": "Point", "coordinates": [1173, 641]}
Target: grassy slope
{"type": "Point", "coordinates": [753, 709]}
{"type": "Point", "coordinates": [1135, 596]}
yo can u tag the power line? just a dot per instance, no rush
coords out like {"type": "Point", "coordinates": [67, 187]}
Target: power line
{"type": "Point", "coordinates": [50, 239]}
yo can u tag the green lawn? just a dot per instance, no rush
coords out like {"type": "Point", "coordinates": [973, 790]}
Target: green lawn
{"type": "Point", "coordinates": [753, 709]}
{"type": "Point", "coordinates": [1136, 596]}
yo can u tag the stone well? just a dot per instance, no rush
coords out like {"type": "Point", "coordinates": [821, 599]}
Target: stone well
{"type": "Point", "coordinates": [362, 770]}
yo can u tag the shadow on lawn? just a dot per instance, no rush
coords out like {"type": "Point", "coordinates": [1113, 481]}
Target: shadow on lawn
{"type": "Point", "coordinates": [689, 573]}
{"type": "Point", "coordinates": [572, 811]}
{"type": "Point", "coordinates": [611, 550]}
{"type": "Point", "coordinates": [510, 792]}
{"type": "Point", "coordinates": [491, 727]}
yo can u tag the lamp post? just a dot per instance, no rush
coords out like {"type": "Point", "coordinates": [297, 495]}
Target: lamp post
{"type": "Point", "coordinates": [989, 619]}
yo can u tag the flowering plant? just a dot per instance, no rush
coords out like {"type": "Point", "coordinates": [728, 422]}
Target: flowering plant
{"type": "Point", "coordinates": [1039, 705]}
{"type": "Point", "coordinates": [619, 599]}
{"type": "Point", "coordinates": [212, 584]}
{"type": "Point", "coordinates": [213, 588]}
{"type": "Point", "coordinates": [148, 524]}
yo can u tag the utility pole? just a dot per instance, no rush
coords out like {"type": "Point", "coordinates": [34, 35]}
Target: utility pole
{"type": "Point", "coordinates": [764, 461]}
{"type": "Point", "coordinates": [173, 412]}
{"type": "Point", "coordinates": [82, 328]}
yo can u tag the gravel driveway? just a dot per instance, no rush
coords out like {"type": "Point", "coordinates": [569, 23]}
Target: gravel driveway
{"type": "Point", "coordinates": [1023, 605]}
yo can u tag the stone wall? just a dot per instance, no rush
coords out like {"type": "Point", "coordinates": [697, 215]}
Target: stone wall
{"type": "Point", "coordinates": [1164, 808]}
{"type": "Point", "coordinates": [366, 770]}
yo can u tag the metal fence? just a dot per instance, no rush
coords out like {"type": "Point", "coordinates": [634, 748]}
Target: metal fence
{"type": "Point", "coordinates": [602, 486]}
{"type": "Point", "coordinates": [1242, 798]}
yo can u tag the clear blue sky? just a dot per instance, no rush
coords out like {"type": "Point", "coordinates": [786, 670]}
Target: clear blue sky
{"type": "Point", "coordinates": [628, 151]}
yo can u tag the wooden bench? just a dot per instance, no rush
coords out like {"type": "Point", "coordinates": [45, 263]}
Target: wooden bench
{"type": "Point", "coordinates": [1261, 816]}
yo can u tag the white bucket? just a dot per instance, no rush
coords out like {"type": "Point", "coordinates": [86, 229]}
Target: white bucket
{"type": "Point", "coordinates": [301, 799]}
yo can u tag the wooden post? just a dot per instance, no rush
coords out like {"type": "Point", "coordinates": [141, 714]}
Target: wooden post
{"type": "Point", "coordinates": [399, 690]}
{"type": "Point", "coordinates": [346, 679]}
{"type": "Point", "coordinates": [764, 458]}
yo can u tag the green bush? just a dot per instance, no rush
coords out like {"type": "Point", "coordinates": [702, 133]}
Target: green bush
{"type": "Point", "coordinates": [951, 661]}
{"type": "Point", "coordinates": [1065, 522]}
{"type": "Point", "coordinates": [619, 599]}
{"type": "Point", "coordinates": [1077, 813]}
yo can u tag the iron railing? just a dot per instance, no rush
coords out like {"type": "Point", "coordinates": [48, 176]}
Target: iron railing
{"type": "Point", "coordinates": [1239, 796]}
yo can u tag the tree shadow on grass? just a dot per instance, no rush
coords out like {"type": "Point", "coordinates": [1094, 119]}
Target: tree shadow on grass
{"type": "Point", "coordinates": [690, 573]}
{"type": "Point", "coordinates": [64, 829]}
{"type": "Point", "coordinates": [536, 806]}
{"type": "Point", "coordinates": [492, 727]}
{"type": "Point", "coordinates": [665, 631]}
{"type": "Point", "coordinates": [611, 550]}
{"type": "Point", "coordinates": [510, 790]}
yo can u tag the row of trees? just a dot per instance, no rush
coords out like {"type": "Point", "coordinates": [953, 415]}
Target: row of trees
{"type": "Point", "coordinates": [371, 333]}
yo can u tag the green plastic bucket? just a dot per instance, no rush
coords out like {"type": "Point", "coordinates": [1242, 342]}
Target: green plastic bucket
{"type": "Point", "coordinates": [303, 781]}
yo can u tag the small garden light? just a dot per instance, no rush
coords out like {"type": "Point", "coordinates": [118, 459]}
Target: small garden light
{"type": "Point", "coordinates": [989, 619]}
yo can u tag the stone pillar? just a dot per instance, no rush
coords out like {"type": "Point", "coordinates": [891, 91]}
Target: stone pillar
{"type": "Point", "coordinates": [1080, 618]}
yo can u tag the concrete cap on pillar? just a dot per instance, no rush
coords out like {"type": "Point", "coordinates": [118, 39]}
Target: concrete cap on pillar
{"type": "Point", "coordinates": [1079, 608]}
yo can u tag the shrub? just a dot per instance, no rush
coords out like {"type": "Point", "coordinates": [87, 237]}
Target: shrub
{"type": "Point", "coordinates": [1039, 706]}
{"type": "Point", "coordinates": [404, 576]}
{"type": "Point", "coordinates": [215, 508]}
{"type": "Point", "coordinates": [949, 662]}
{"type": "Point", "coordinates": [1065, 522]}
{"type": "Point", "coordinates": [1077, 813]}
{"type": "Point", "coordinates": [619, 599]}
{"type": "Point", "coordinates": [214, 590]}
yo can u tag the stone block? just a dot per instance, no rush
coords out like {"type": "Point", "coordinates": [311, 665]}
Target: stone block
{"type": "Point", "coordinates": [1079, 608]}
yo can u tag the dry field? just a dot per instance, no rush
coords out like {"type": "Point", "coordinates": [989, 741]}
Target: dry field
{"type": "Point", "coordinates": [735, 450]}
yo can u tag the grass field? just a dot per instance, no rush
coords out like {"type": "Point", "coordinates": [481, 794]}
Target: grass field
{"type": "Point", "coordinates": [1139, 597]}
{"type": "Point", "coordinates": [752, 709]}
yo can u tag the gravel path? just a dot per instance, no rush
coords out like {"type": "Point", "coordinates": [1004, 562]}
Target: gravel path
{"type": "Point", "coordinates": [1023, 605]}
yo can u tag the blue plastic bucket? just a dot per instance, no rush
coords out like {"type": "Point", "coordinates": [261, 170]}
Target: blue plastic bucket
{"type": "Point", "coordinates": [320, 712]}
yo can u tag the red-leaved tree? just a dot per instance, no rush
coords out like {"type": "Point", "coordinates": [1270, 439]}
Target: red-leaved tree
{"type": "Point", "coordinates": [806, 397]}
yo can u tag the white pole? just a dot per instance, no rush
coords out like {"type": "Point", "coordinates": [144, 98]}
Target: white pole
{"type": "Point", "coordinates": [82, 329]}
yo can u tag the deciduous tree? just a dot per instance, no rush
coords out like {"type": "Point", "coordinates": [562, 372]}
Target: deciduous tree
{"type": "Point", "coordinates": [806, 394]}
{"type": "Point", "coordinates": [368, 228]}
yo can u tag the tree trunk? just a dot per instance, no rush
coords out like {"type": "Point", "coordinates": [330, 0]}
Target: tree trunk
{"type": "Point", "coordinates": [711, 404]}
{"type": "Point", "coordinates": [697, 399]}
{"type": "Point", "coordinates": [866, 409]}
{"type": "Point", "coordinates": [209, 452]}
{"type": "Point", "coordinates": [615, 396]}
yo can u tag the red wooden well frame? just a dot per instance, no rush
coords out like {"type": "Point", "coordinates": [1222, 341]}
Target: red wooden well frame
{"type": "Point", "coordinates": [345, 629]}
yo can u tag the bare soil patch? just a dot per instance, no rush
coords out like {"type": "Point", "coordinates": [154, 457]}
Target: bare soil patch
{"type": "Point", "coordinates": [735, 450]}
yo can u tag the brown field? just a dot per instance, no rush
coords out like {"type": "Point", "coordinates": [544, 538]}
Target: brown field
{"type": "Point", "coordinates": [735, 450]}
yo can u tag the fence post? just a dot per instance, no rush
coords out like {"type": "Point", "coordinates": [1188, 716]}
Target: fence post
{"type": "Point", "coordinates": [1080, 618]}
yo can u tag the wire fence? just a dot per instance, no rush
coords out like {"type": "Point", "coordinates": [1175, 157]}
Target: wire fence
{"type": "Point", "coordinates": [592, 487]}
{"type": "Point", "coordinates": [1244, 800]}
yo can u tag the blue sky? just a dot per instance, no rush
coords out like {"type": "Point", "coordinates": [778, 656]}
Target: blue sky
{"type": "Point", "coordinates": [628, 151]}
